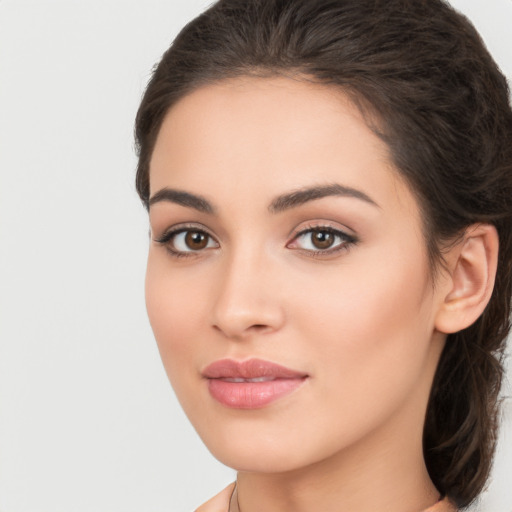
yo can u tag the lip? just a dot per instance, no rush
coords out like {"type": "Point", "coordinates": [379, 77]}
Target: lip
{"type": "Point", "coordinates": [250, 384]}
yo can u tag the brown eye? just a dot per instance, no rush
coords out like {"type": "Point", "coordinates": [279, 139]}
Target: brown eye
{"type": "Point", "coordinates": [322, 239]}
{"type": "Point", "coordinates": [188, 241]}
{"type": "Point", "coordinates": [196, 240]}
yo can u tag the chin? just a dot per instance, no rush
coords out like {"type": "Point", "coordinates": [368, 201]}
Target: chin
{"type": "Point", "coordinates": [260, 449]}
{"type": "Point", "coordinates": [257, 459]}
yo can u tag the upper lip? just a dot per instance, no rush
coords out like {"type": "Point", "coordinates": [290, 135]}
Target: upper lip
{"type": "Point", "coordinates": [249, 369]}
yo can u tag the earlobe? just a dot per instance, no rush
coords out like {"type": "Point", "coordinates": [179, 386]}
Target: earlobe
{"type": "Point", "coordinates": [472, 271]}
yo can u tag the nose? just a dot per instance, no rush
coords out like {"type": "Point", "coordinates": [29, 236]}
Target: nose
{"type": "Point", "coordinates": [247, 299]}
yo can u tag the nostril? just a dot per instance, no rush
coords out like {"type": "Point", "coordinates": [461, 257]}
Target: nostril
{"type": "Point", "coordinates": [235, 332]}
{"type": "Point", "coordinates": [260, 328]}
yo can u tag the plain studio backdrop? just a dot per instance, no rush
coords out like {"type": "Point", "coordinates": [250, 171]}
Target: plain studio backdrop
{"type": "Point", "coordinates": [88, 421]}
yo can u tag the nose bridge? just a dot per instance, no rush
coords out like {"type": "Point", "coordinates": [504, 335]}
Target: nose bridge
{"type": "Point", "coordinates": [246, 299]}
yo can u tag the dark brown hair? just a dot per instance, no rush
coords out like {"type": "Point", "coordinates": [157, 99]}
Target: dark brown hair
{"type": "Point", "coordinates": [442, 106]}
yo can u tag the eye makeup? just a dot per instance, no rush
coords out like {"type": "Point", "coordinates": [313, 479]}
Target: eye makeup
{"type": "Point", "coordinates": [186, 240]}
{"type": "Point", "coordinates": [322, 241]}
{"type": "Point", "coordinates": [318, 240]}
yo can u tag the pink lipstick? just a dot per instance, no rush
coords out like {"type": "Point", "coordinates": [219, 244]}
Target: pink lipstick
{"type": "Point", "coordinates": [250, 384]}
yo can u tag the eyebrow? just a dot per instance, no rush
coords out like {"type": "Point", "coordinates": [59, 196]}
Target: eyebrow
{"type": "Point", "coordinates": [301, 196]}
{"type": "Point", "coordinates": [184, 199]}
{"type": "Point", "coordinates": [279, 204]}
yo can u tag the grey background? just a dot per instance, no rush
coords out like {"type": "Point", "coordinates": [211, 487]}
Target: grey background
{"type": "Point", "coordinates": [88, 421]}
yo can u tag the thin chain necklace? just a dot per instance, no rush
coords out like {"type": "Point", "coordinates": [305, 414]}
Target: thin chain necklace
{"type": "Point", "coordinates": [233, 502]}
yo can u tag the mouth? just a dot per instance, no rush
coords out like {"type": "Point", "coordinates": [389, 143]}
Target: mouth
{"type": "Point", "coordinates": [250, 384]}
{"type": "Point", "coordinates": [256, 379]}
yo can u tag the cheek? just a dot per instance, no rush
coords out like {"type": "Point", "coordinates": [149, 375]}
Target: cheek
{"type": "Point", "coordinates": [371, 324]}
{"type": "Point", "coordinates": [175, 314]}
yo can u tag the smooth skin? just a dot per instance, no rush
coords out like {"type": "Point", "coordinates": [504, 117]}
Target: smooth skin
{"type": "Point", "coordinates": [335, 284]}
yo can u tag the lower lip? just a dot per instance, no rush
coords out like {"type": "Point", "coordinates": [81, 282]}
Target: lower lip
{"type": "Point", "coordinates": [251, 395]}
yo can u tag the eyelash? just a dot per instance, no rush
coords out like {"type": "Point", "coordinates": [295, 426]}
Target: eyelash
{"type": "Point", "coordinates": [168, 236]}
{"type": "Point", "coordinates": [346, 240]}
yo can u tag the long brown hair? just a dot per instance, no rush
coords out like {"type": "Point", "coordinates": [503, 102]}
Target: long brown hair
{"type": "Point", "coordinates": [441, 104]}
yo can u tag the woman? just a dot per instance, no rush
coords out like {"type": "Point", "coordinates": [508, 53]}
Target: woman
{"type": "Point", "coordinates": [328, 185]}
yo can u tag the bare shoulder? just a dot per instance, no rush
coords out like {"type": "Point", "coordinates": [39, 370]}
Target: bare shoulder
{"type": "Point", "coordinates": [220, 502]}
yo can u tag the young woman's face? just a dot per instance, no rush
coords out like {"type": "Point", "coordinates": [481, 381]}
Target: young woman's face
{"type": "Point", "coordinates": [288, 282]}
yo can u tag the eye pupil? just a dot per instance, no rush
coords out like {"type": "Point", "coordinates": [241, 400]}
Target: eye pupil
{"type": "Point", "coordinates": [196, 240]}
{"type": "Point", "coordinates": [322, 239]}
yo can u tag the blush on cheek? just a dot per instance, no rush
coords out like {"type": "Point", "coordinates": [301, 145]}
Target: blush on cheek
{"type": "Point", "coordinates": [175, 315]}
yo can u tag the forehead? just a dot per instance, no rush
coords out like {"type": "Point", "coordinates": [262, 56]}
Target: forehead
{"type": "Point", "coordinates": [270, 135]}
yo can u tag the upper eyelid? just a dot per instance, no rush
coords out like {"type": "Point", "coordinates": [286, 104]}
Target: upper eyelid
{"type": "Point", "coordinates": [336, 232]}
{"type": "Point", "coordinates": [180, 228]}
{"type": "Point", "coordinates": [321, 228]}
{"type": "Point", "coordinates": [322, 225]}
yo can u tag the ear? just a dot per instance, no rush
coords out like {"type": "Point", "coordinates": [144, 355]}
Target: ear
{"type": "Point", "coordinates": [471, 273]}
